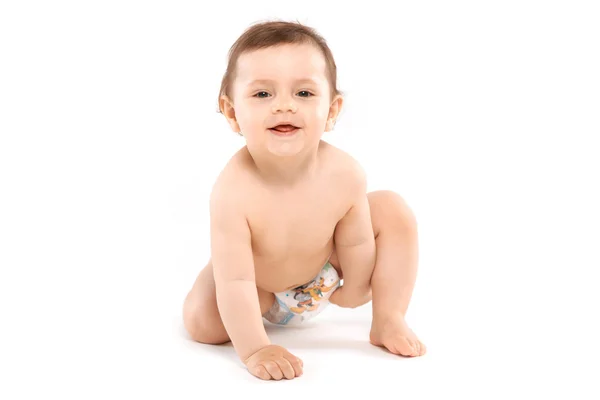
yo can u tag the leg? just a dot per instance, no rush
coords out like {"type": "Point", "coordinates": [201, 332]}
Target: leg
{"type": "Point", "coordinates": [394, 276]}
{"type": "Point", "coordinates": [200, 313]}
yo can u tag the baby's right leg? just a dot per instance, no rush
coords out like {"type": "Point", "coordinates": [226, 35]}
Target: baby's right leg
{"type": "Point", "coordinates": [200, 313]}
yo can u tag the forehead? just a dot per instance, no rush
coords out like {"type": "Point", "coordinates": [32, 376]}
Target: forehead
{"type": "Point", "coordinates": [283, 62]}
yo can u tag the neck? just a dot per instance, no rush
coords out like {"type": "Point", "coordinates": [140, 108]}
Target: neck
{"type": "Point", "coordinates": [285, 171]}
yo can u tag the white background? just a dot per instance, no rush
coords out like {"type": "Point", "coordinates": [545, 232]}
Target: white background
{"type": "Point", "coordinates": [484, 116]}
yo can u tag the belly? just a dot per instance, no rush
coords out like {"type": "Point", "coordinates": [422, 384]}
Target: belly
{"type": "Point", "coordinates": [279, 272]}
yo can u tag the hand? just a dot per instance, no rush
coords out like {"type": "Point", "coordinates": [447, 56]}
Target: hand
{"type": "Point", "coordinates": [274, 362]}
{"type": "Point", "coordinates": [348, 298]}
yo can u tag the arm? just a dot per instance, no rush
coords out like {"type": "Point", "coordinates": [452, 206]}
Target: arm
{"type": "Point", "coordinates": [233, 263]}
{"type": "Point", "coordinates": [355, 247]}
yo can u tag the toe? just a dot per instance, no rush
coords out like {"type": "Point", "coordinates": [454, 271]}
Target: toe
{"type": "Point", "coordinates": [415, 348]}
{"type": "Point", "coordinates": [404, 346]}
{"type": "Point", "coordinates": [423, 349]}
{"type": "Point", "coordinates": [394, 348]}
{"type": "Point", "coordinates": [419, 346]}
{"type": "Point", "coordinates": [391, 347]}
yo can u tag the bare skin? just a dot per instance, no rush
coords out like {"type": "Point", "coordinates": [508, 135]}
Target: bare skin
{"type": "Point", "coordinates": [284, 204]}
{"type": "Point", "coordinates": [293, 229]}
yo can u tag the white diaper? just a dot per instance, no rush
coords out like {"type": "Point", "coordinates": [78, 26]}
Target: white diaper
{"type": "Point", "coordinates": [302, 303]}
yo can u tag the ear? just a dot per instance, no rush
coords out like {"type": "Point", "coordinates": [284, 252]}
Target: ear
{"type": "Point", "coordinates": [334, 112]}
{"type": "Point", "coordinates": [226, 107]}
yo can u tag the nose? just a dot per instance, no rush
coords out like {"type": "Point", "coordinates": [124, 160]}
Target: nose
{"type": "Point", "coordinates": [284, 104]}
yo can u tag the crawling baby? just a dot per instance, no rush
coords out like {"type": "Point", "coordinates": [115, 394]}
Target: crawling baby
{"type": "Point", "coordinates": [293, 228]}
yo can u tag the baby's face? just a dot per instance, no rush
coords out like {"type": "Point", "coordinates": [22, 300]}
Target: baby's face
{"type": "Point", "coordinates": [284, 83]}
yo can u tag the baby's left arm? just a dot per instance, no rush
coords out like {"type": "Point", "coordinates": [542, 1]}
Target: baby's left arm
{"type": "Point", "coordinates": [355, 248]}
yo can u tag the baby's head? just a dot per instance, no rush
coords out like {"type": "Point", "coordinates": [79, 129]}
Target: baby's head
{"type": "Point", "coordinates": [280, 72]}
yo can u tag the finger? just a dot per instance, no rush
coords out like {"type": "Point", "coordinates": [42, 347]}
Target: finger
{"type": "Point", "coordinates": [296, 364]}
{"type": "Point", "coordinates": [273, 370]}
{"type": "Point", "coordinates": [286, 368]}
{"type": "Point", "coordinates": [260, 372]}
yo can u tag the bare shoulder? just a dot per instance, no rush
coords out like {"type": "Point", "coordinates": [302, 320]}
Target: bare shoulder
{"type": "Point", "coordinates": [346, 170]}
{"type": "Point", "coordinates": [233, 184]}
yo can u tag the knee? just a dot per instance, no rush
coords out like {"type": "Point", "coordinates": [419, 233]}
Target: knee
{"type": "Point", "coordinates": [389, 207]}
{"type": "Point", "coordinates": [198, 326]}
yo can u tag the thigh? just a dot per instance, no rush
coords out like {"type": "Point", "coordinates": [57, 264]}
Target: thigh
{"type": "Point", "coordinates": [200, 312]}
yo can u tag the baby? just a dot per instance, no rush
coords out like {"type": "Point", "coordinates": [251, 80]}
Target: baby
{"type": "Point", "coordinates": [292, 226]}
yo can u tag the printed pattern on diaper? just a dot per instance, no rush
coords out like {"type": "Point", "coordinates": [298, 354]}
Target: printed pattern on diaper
{"type": "Point", "coordinates": [304, 302]}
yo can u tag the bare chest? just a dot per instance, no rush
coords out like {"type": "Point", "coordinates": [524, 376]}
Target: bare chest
{"type": "Point", "coordinates": [292, 236]}
{"type": "Point", "coordinates": [292, 227]}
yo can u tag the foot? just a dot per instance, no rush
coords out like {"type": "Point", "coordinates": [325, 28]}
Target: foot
{"type": "Point", "coordinates": [394, 334]}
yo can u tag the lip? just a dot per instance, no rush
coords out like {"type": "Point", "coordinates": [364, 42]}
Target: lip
{"type": "Point", "coordinates": [284, 123]}
{"type": "Point", "coordinates": [283, 134]}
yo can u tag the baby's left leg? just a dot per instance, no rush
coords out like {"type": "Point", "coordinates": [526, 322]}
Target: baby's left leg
{"type": "Point", "coordinates": [394, 276]}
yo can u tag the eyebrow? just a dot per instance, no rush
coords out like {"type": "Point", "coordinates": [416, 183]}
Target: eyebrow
{"type": "Point", "coordinates": [267, 81]}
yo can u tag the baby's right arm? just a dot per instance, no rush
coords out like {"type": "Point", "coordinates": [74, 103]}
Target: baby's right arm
{"type": "Point", "coordinates": [237, 296]}
{"type": "Point", "coordinates": [233, 264]}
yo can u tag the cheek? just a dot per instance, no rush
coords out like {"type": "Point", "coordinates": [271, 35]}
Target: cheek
{"type": "Point", "coordinates": [249, 116]}
{"type": "Point", "coordinates": [321, 113]}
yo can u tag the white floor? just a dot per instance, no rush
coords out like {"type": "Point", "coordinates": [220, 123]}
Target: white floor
{"type": "Point", "coordinates": [113, 329]}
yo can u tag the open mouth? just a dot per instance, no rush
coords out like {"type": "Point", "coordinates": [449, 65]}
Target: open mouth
{"type": "Point", "coordinates": [284, 129]}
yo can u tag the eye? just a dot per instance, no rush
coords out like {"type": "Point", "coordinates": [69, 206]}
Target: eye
{"type": "Point", "coordinates": [305, 93]}
{"type": "Point", "coordinates": [260, 95]}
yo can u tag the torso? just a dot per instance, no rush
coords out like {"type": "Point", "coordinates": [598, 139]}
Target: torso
{"type": "Point", "coordinates": [292, 232]}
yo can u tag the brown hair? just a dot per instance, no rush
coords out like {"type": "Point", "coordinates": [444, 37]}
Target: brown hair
{"type": "Point", "coordinates": [272, 33]}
